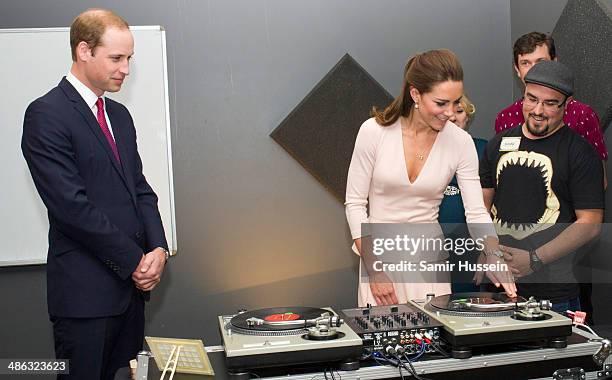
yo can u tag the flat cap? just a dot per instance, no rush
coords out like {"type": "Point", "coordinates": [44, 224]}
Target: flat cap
{"type": "Point", "coordinates": [552, 74]}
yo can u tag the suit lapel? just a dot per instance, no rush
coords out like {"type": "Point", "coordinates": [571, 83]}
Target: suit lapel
{"type": "Point", "coordinates": [121, 141]}
{"type": "Point", "coordinates": [80, 105]}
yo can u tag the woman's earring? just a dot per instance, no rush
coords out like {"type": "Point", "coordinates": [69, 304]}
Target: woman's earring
{"type": "Point", "coordinates": [416, 105]}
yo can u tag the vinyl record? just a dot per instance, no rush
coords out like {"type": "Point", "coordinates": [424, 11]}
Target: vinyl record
{"type": "Point", "coordinates": [474, 304]}
{"type": "Point", "coordinates": [287, 320]}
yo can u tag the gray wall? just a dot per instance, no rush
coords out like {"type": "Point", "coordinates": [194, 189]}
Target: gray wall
{"type": "Point", "coordinates": [254, 228]}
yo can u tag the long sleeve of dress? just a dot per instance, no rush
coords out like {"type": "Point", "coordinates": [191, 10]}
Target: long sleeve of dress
{"type": "Point", "coordinates": [360, 176]}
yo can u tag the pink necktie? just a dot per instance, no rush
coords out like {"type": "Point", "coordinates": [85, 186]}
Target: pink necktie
{"type": "Point", "coordinates": [105, 130]}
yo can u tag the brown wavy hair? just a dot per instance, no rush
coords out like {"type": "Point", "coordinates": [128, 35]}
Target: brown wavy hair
{"type": "Point", "coordinates": [527, 43]}
{"type": "Point", "coordinates": [423, 72]}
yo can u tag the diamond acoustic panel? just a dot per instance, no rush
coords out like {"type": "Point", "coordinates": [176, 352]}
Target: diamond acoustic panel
{"type": "Point", "coordinates": [583, 36]}
{"type": "Point", "coordinates": [320, 132]}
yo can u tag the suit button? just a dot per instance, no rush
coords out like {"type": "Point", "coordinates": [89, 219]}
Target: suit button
{"type": "Point", "coordinates": [138, 235]}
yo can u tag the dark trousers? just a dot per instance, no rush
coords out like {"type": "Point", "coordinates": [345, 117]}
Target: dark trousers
{"type": "Point", "coordinates": [97, 347]}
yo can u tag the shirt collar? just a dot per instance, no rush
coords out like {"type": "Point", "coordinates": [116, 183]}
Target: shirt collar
{"type": "Point", "coordinates": [88, 96]}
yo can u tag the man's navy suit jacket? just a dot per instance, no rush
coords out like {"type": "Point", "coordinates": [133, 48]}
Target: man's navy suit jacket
{"type": "Point", "coordinates": [103, 214]}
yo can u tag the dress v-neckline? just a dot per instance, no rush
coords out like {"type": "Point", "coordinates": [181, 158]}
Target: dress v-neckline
{"type": "Point", "coordinates": [433, 146]}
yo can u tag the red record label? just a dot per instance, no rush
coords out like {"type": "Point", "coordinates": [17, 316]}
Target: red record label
{"type": "Point", "coordinates": [282, 317]}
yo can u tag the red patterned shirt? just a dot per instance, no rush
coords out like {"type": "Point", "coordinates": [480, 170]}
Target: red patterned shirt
{"type": "Point", "coordinates": [578, 116]}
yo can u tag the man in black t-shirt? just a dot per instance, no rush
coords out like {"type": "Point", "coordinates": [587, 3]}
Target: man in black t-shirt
{"type": "Point", "coordinates": [544, 186]}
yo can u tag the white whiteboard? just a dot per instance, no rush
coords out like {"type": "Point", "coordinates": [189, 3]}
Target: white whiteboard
{"type": "Point", "coordinates": [33, 61]}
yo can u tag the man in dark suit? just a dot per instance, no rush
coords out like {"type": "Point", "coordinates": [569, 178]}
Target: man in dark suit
{"type": "Point", "coordinates": [107, 247]}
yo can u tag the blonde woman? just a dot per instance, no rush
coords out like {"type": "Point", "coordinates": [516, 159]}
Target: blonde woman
{"type": "Point", "coordinates": [452, 213]}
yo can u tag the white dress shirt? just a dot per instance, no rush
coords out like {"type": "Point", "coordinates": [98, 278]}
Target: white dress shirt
{"type": "Point", "coordinates": [89, 97]}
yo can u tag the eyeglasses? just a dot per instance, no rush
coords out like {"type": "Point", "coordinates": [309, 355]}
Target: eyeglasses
{"type": "Point", "coordinates": [547, 105]}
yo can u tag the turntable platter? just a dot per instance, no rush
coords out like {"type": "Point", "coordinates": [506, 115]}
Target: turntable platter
{"type": "Point", "coordinates": [286, 320]}
{"type": "Point", "coordinates": [474, 304]}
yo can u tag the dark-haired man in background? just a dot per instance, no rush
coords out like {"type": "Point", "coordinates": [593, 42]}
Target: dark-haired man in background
{"type": "Point", "coordinates": [530, 49]}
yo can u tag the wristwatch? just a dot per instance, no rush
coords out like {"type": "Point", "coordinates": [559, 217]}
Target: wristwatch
{"type": "Point", "coordinates": [165, 252]}
{"type": "Point", "coordinates": [534, 261]}
{"type": "Point", "coordinates": [496, 252]}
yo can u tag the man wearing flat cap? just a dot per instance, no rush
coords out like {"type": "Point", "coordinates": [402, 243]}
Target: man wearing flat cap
{"type": "Point", "coordinates": [544, 186]}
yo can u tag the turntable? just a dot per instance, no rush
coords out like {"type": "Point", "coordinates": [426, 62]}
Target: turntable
{"type": "Point", "coordinates": [485, 319]}
{"type": "Point", "coordinates": [287, 336]}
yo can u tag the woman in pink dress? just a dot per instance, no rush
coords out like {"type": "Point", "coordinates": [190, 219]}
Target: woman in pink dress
{"type": "Point", "coordinates": [404, 157]}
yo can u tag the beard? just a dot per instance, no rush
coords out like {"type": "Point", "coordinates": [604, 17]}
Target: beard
{"type": "Point", "coordinates": [538, 127]}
